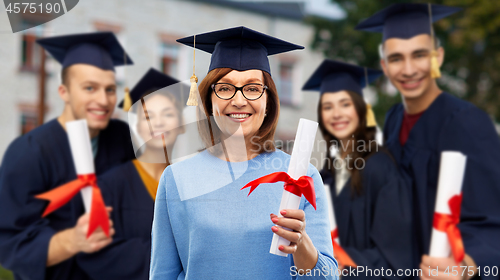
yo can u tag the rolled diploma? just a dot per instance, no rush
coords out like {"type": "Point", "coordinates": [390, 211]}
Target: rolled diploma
{"type": "Point", "coordinates": [299, 163]}
{"type": "Point", "coordinates": [83, 159]}
{"type": "Point", "coordinates": [331, 212]}
{"type": "Point", "coordinates": [451, 175]}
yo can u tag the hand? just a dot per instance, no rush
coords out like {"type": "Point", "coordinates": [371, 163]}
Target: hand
{"type": "Point", "coordinates": [96, 241]}
{"type": "Point", "coordinates": [294, 220]}
{"type": "Point", "coordinates": [69, 242]}
{"type": "Point", "coordinates": [304, 253]}
{"type": "Point", "coordinates": [447, 268]}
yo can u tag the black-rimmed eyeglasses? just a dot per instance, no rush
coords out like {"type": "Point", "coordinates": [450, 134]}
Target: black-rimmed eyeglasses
{"type": "Point", "coordinates": [227, 91]}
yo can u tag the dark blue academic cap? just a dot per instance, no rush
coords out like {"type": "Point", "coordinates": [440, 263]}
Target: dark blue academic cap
{"type": "Point", "coordinates": [154, 80]}
{"type": "Point", "coordinates": [405, 20]}
{"type": "Point", "coordinates": [239, 48]}
{"type": "Point", "coordinates": [100, 49]}
{"type": "Point", "coordinates": [333, 76]}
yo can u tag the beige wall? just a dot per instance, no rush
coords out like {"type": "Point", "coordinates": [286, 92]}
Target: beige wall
{"type": "Point", "coordinates": [142, 24]}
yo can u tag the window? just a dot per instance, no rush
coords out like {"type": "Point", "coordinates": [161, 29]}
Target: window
{"type": "Point", "coordinates": [28, 117]}
{"type": "Point", "coordinates": [173, 59]}
{"type": "Point", "coordinates": [285, 89]}
{"type": "Point", "coordinates": [169, 58]}
{"type": "Point", "coordinates": [28, 122]}
{"type": "Point", "coordinates": [288, 81]}
{"type": "Point", "coordinates": [31, 52]}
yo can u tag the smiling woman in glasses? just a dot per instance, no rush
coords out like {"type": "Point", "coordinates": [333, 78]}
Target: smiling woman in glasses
{"type": "Point", "coordinates": [204, 227]}
{"type": "Point", "coordinates": [242, 105]}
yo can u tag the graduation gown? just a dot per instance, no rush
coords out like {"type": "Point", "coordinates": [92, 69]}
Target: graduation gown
{"type": "Point", "coordinates": [451, 124]}
{"type": "Point", "coordinates": [133, 207]}
{"type": "Point", "coordinates": [35, 163]}
{"type": "Point", "coordinates": [375, 227]}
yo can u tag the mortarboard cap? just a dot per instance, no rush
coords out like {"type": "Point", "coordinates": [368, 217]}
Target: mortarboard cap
{"type": "Point", "coordinates": [405, 20]}
{"type": "Point", "coordinates": [239, 48]}
{"type": "Point", "coordinates": [154, 80]}
{"type": "Point", "coordinates": [100, 49]}
{"type": "Point", "coordinates": [333, 76]}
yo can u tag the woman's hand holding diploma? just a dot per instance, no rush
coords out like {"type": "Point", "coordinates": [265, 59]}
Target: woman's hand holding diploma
{"type": "Point", "coordinates": [301, 247]}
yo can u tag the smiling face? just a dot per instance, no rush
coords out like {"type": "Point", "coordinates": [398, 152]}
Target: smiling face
{"type": "Point", "coordinates": [407, 63]}
{"type": "Point", "coordinates": [162, 117]}
{"type": "Point", "coordinates": [90, 93]}
{"type": "Point", "coordinates": [238, 112]}
{"type": "Point", "coordinates": [338, 114]}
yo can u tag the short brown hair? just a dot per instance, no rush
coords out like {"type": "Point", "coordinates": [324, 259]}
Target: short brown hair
{"type": "Point", "coordinates": [65, 76]}
{"type": "Point", "coordinates": [210, 132]}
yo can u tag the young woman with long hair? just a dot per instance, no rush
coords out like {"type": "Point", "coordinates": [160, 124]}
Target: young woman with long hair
{"type": "Point", "coordinates": [130, 188]}
{"type": "Point", "coordinates": [370, 200]}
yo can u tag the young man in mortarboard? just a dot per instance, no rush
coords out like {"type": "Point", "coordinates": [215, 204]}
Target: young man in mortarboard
{"type": "Point", "coordinates": [430, 121]}
{"type": "Point", "coordinates": [44, 248]}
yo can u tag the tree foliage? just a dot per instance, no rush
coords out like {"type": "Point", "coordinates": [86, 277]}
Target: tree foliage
{"type": "Point", "coordinates": [471, 39]}
{"type": "Point", "coordinates": [5, 274]}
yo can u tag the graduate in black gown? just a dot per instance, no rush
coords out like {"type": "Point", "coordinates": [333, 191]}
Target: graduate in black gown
{"type": "Point", "coordinates": [370, 198]}
{"type": "Point", "coordinates": [44, 248]}
{"type": "Point", "coordinates": [430, 121]}
{"type": "Point", "coordinates": [130, 188]}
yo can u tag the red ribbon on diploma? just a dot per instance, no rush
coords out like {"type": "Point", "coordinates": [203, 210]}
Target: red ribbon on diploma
{"type": "Point", "coordinates": [448, 223]}
{"type": "Point", "coordinates": [341, 255]}
{"type": "Point", "coordinates": [303, 186]}
{"type": "Point", "coordinates": [62, 194]}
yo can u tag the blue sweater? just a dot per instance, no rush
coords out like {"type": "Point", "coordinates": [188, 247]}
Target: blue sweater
{"type": "Point", "coordinates": [205, 227]}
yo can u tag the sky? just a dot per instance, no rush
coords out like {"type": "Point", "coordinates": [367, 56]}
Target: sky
{"type": "Point", "coordinates": [323, 8]}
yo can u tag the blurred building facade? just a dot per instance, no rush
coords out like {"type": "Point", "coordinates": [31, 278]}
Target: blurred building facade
{"type": "Point", "coordinates": [148, 30]}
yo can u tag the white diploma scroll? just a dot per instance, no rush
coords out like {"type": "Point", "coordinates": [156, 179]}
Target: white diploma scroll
{"type": "Point", "coordinates": [331, 212]}
{"type": "Point", "coordinates": [299, 163]}
{"type": "Point", "coordinates": [451, 175]}
{"type": "Point", "coordinates": [83, 158]}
